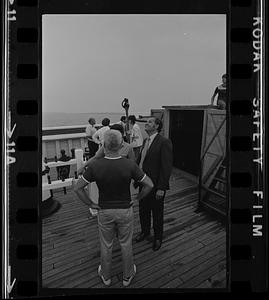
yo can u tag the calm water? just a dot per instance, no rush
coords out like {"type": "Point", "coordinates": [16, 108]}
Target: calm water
{"type": "Point", "coordinates": [69, 119]}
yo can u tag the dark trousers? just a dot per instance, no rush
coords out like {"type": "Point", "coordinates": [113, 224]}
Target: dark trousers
{"type": "Point", "coordinates": [150, 205]}
{"type": "Point", "coordinates": [93, 147]}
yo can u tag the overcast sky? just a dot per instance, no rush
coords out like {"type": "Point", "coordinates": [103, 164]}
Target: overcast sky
{"type": "Point", "coordinates": [91, 62]}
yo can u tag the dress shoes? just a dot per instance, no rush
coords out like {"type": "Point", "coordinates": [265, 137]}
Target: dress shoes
{"type": "Point", "coordinates": [156, 245]}
{"type": "Point", "coordinates": [141, 237]}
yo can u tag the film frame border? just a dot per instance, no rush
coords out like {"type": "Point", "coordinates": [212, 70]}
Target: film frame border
{"type": "Point", "coordinates": [23, 82]}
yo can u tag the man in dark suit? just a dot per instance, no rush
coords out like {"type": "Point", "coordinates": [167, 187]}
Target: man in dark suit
{"type": "Point", "coordinates": [156, 160]}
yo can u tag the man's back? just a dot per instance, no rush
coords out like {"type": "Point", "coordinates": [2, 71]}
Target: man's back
{"type": "Point", "coordinates": [113, 177]}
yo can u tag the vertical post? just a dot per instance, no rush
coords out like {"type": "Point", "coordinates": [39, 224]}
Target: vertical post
{"type": "Point", "coordinates": [125, 104]}
{"type": "Point", "coordinates": [200, 183]}
{"type": "Point", "coordinates": [49, 182]}
{"type": "Point", "coordinates": [58, 150]}
{"type": "Point", "coordinates": [69, 146]}
{"type": "Point", "coordinates": [79, 158]}
{"type": "Point", "coordinates": [44, 149]}
{"type": "Point", "coordinates": [73, 152]}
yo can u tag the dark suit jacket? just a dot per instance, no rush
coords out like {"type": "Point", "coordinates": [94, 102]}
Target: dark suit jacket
{"type": "Point", "coordinates": [158, 162]}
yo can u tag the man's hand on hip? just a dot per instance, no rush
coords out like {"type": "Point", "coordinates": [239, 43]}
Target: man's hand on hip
{"type": "Point", "coordinates": [95, 206]}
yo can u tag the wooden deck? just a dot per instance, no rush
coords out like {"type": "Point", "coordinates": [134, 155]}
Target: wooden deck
{"type": "Point", "coordinates": [193, 254]}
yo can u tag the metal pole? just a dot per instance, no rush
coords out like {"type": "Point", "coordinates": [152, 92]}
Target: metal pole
{"type": "Point", "coordinates": [125, 104]}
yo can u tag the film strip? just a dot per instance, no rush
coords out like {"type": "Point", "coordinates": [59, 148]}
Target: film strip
{"type": "Point", "coordinates": [247, 222]}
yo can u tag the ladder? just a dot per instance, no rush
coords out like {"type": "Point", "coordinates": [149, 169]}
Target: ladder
{"type": "Point", "coordinates": [214, 197]}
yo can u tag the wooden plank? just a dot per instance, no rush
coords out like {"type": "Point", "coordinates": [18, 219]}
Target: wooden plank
{"type": "Point", "coordinates": [71, 250]}
{"type": "Point", "coordinates": [147, 264]}
{"type": "Point", "coordinates": [215, 267]}
{"type": "Point", "coordinates": [218, 280]}
{"type": "Point", "coordinates": [54, 164]}
{"type": "Point", "coordinates": [82, 142]}
{"type": "Point", "coordinates": [154, 252]}
{"type": "Point", "coordinates": [174, 269]}
{"type": "Point", "coordinates": [68, 238]}
{"type": "Point", "coordinates": [57, 184]}
{"type": "Point", "coordinates": [210, 259]}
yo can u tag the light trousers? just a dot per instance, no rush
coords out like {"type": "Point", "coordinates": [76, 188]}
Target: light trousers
{"type": "Point", "coordinates": [121, 221]}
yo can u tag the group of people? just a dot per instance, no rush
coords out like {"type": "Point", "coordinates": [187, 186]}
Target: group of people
{"type": "Point", "coordinates": [118, 163]}
{"type": "Point", "coordinates": [131, 133]}
{"type": "Point", "coordinates": [119, 157]}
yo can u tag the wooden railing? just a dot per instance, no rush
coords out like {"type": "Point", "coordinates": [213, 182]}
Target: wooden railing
{"type": "Point", "coordinates": [64, 182]}
{"type": "Point", "coordinates": [68, 138]}
{"type": "Point", "coordinates": [78, 161]}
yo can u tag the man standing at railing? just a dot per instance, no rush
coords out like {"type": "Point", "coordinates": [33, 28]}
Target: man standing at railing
{"type": "Point", "coordinates": [90, 131]}
{"type": "Point", "coordinates": [113, 175]}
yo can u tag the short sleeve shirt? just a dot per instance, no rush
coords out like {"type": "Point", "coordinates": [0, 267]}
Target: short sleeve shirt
{"type": "Point", "coordinates": [113, 177]}
{"type": "Point", "coordinates": [136, 136]}
{"type": "Point", "coordinates": [90, 131]}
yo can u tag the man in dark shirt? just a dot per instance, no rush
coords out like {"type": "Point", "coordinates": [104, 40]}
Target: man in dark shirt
{"type": "Point", "coordinates": [221, 91]}
{"type": "Point", "coordinates": [113, 175]}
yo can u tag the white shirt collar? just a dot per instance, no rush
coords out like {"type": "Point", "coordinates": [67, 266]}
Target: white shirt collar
{"type": "Point", "coordinates": [107, 157]}
{"type": "Point", "coordinates": [152, 137]}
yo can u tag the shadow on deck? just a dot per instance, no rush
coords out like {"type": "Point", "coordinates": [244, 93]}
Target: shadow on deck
{"type": "Point", "coordinates": [193, 254]}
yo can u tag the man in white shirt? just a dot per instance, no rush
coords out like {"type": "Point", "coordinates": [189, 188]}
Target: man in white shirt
{"type": "Point", "coordinates": [136, 138]}
{"type": "Point", "coordinates": [122, 122]}
{"type": "Point", "coordinates": [90, 131]}
{"type": "Point", "coordinates": [98, 137]}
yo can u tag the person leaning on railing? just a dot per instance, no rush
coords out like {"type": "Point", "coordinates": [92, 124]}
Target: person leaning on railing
{"type": "Point", "coordinates": [125, 150]}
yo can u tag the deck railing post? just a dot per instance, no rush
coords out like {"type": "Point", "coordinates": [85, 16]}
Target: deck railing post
{"type": "Point", "coordinates": [49, 182]}
{"type": "Point", "coordinates": [79, 158]}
